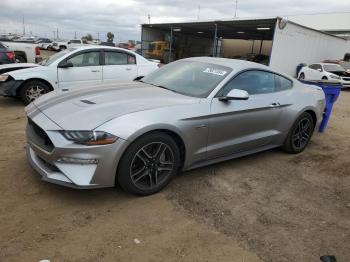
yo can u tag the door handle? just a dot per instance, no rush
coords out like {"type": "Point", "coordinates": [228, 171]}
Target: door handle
{"type": "Point", "coordinates": [128, 69]}
{"type": "Point", "coordinates": [95, 71]}
{"type": "Point", "coordinates": [274, 105]}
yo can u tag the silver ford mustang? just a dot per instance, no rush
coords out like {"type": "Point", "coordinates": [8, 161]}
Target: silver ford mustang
{"type": "Point", "coordinates": [189, 113]}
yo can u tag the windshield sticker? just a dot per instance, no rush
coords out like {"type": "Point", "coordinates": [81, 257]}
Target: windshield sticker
{"type": "Point", "coordinates": [215, 71]}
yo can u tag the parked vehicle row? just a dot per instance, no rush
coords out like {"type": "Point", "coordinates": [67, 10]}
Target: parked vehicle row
{"type": "Point", "coordinates": [73, 68]}
{"type": "Point", "coordinates": [187, 114]}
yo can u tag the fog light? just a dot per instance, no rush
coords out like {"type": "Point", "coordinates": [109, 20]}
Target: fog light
{"type": "Point", "coordinates": [77, 161]}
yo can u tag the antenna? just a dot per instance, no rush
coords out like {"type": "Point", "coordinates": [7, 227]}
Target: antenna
{"type": "Point", "coordinates": [199, 11]}
{"type": "Point", "coordinates": [149, 19]}
{"type": "Point", "coordinates": [24, 27]}
{"type": "Point", "coordinates": [236, 4]}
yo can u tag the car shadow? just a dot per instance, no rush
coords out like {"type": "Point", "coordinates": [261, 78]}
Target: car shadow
{"type": "Point", "coordinates": [9, 102]}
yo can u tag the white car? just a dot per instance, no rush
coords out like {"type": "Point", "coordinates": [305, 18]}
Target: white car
{"type": "Point", "coordinates": [75, 68]}
{"type": "Point", "coordinates": [325, 71]}
{"type": "Point", "coordinates": [62, 45]}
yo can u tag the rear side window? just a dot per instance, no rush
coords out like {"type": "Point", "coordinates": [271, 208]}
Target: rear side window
{"type": "Point", "coordinates": [282, 83]}
{"type": "Point", "coordinates": [119, 58]}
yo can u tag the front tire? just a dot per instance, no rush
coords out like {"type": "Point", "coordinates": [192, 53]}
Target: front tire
{"type": "Point", "coordinates": [302, 76]}
{"type": "Point", "coordinates": [300, 134]}
{"type": "Point", "coordinates": [149, 164]}
{"type": "Point", "coordinates": [33, 90]}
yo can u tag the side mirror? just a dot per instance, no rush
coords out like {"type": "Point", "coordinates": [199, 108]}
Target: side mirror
{"type": "Point", "coordinates": [235, 94]}
{"type": "Point", "coordinates": [68, 42]}
{"type": "Point", "coordinates": [319, 69]}
{"type": "Point", "coordinates": [65, 64]}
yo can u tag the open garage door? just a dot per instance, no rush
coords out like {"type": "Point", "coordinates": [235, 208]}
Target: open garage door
{"type": "Point", "coordinates": [248, 39]}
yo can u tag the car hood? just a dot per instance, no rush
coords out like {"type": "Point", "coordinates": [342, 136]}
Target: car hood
{"type": "Point", "coordinates": [88, 108]}
{"type": "Point", "coordinates": [339, 73]}
{"type": "Point", "coordinates": [30, 70]}
{"type": "Point", "coordinates": [15, 66]}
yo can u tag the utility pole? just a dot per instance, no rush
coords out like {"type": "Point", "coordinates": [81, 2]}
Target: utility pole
{"type": "Point", "coordinates": [236, 3]}
{"type": "Point", "coordinates": [57, 33]}
{"type": "Point", "coordinates": [98, 35]}
{"type": "Point", "coordinates": [54, 36]}
{"type": "Point", "coordinates": [149, 19]}
{"type": "Point", "coordinates": [24, 27]}
{"type": "Point", "coordinates": [199, 11]}
{"type": "Point", "coordinates": [75, 35]}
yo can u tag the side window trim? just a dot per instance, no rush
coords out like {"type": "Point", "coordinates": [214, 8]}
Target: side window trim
{"type": "Point", "coordinates": [218, 94]}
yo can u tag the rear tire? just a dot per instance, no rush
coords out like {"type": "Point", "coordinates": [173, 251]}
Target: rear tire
{"type": "Point", "coordinates": [300, 134]}
{"type": "Point", "coordinates": [148, 164]}
{"type": "Point", "coordinates": [324, 78]}
{"type": "Point", "coordinates": [33, 90]}
{"type": "Point", "coordinates": [62, 47]}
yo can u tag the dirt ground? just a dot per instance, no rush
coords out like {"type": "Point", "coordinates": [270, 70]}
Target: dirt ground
{"type": "Point", "coordinates": [269, 206]}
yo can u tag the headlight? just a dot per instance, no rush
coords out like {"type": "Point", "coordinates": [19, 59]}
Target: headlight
{"type": "Point", "coordinates": [334, 76]}
{"type": "Point", "coordinates": [89, 138]}
{"type": "Point", "coordinates": [3, 77]}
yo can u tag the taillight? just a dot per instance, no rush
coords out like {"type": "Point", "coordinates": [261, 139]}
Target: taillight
{"type": "Point", "coordinates": [10, 56]}
{"type": "Point", "coordinates": [37, 50]}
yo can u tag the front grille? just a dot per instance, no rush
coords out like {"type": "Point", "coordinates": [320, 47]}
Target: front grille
{"type": "Point", "coordinates": [346, 78]}
{"type": "Point", "coordinates": [39, 136]}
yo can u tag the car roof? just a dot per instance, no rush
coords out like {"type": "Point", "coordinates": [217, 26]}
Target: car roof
{"type": "Point", "coordinates": [87, 47]}
{"type": "Point", "coordinates": [228, 62]}
{"type": "Point", "coordinates": [328, 64]}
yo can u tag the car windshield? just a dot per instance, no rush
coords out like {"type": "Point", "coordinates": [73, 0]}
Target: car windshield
{"type": "Point", "coordinates": [75, 41]}
{"type": "Point", "coordinates": [332, 68]}
{"type": "Point", "coordinates": [55, 57]}
{"type": "Point", "coordinates": [190, 78]}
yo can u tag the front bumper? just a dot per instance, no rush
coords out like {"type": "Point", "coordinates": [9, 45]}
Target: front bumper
{"type": "Point", "coordinates": [47, 161]}
{"type": "Point", "coordinates": [9, 88]}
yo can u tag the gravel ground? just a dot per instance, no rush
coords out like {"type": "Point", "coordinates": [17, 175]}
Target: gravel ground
{"type": "Point", "coordinates": [269, 206]}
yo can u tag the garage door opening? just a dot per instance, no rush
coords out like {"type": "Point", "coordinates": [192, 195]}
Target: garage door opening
{"type": "Point", "coordinates": [247, 39]}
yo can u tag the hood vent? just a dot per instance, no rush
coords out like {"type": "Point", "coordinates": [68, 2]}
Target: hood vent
{"type": "Point", "coordinates": [88, 102]}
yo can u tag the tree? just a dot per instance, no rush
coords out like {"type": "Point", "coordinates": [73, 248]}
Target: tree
{"type": "Point", "coordinates": [88, 37]}
{"type": "Point", "coordinates": [110, 37]}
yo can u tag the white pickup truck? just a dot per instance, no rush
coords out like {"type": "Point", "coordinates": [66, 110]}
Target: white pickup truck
{"type": "Point", "coordinates": [62, 45]}
{"type": "Point", "coordinates": [24, 52]}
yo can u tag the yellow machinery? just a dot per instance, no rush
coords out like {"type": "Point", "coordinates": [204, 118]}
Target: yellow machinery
{"type": "Point", "coordinates": [159, 50]}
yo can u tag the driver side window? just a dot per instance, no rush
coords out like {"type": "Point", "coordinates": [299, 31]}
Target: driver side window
{"type": "Point", "coordinates": [254, 82]}
{"type": "Point", "coordinates": [85, 59]}
{"type": "Point", "coordinates": [316, 67]}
